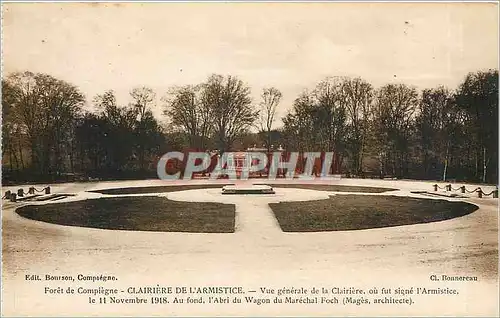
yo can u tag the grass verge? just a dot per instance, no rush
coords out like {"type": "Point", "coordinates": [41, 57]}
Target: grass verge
{"type": "Point", "coordinates": [332, 187]}
{"type": "Point", "coordinates": [138, 214]}
{"type": "Point", "coordinates": [156, 189]}
{"type": "Point", "coordinates": [357, 212]}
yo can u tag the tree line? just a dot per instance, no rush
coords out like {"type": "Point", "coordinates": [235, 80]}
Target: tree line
{"type": "Point", "coordinates": [390, 131]}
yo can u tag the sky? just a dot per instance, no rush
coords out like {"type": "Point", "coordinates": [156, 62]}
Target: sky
{"type": "Point", "coordinates": [290, 46]}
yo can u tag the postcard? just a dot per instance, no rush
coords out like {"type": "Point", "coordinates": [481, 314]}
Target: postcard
{"type": "Point", "coordinates": [250, 159]}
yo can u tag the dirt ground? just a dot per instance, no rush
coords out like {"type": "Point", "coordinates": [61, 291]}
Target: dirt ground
{"type": "Point", "coordinates": [257, 255]}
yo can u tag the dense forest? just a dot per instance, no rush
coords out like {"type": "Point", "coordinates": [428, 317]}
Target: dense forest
{"type": "Point", "coordinates": [395, 130]}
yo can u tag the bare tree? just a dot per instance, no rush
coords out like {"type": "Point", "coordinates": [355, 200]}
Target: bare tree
{"type": "Point", "coordinates": [187, 112]}
{"type": "Point", "coordinates": [143, 99]}
{"type": "Point", "coordinates": [359, 94]}
{"type": "Point", "coordinates": [11, 133]}
{"type": "Point", "coordinates": [298, 124]}
{"type": "Point", "coordinates": [478, 96]}
{"type": "Point", "coordinates": [331, 101]}
{"type": "Point", "coordinates": [270, 99]}
{"type": "Point", "coordinates": [228, 100]}
{"type": "Point", "coordinates": [394, 116]}
{"type": "Point", "coordinates": [45, 109]}
{"type": "Point", "coordinates": [438, 122]}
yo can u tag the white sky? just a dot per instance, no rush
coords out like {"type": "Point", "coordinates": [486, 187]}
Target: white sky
{"type": "Point", "coordinates": [290, 46]}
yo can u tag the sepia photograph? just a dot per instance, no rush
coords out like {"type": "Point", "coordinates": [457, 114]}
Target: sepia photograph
{"type": "Point", "coordinates": [250, 159]}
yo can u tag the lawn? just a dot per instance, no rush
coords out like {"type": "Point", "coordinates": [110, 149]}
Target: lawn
{"type": "Point", "coordinates": [157, 189]}
{"type": "Point", "coordinates": [138, 214]}
{"type": "Point", "coordinates": [357, 212]}
{"type": "Point", "coordinates": [333, 188]}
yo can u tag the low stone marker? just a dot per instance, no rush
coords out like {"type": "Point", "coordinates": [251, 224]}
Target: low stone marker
{"type": "Point", "coordinates": [247, 189]}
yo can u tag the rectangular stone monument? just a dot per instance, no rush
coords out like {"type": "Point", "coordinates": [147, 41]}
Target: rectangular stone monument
{"type": "Point", "coordinates": [247, 189]}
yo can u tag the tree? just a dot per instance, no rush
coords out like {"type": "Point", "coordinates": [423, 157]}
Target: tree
{"type": "Point", "coordinates": [299, 131]}
{"type": "Point", "coordinates": [45, 110]}
{"type": "Point", "coordinates": [317, 121]}
{"type": "Point", "coordinates": [228, 100]}
{"type": "Point", "coordinates": [439, 125]}
{"type": "Point", "coordinates": [118, 125]}
{"type": "Point", "coordinates": [90, 134]}
{"type": "Point", "coordinates": [120, 139]}
{"type": "Point", "coordinates": [143, 99]}
{"type": "Point", "coordinates": [395, 108]}
{"type": "Point", "coordinates": [11, 129]}
{"type": "Point", "coordinates": [270, 99]}
{"type": "Point", "coordinates": [359, 95]}
{"type": "Point", "coordinates": [149, 139]}
{"type": "Point", "coordinates": [478, 97]}
{"type": "Point", "coordinates": [330, 118]}
{"type": "Point", "coordinates": [187, 113]}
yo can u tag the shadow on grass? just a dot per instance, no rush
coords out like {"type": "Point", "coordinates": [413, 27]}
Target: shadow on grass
{"type": "Point", "coordinates": [332, 187]}
{"type": "Point", "coordinates": [157, 189]}
{"type": "Point", "coordinates": [137, 214]}
{"type": "Point", "coordinates": [357, 212]}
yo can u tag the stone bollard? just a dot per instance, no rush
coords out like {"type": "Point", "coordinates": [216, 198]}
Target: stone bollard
{"type": "Point", "coordinates": [7, 195]}
{"type": "Point", "coordinates": [435, 187]}
{"type": "Point", "coordinates": [47, 190]}
{"type": "Point", "coordinates": [462, 189]}
{"type": "Point", "coordinates": [448, 187]}
{"type": "Point", "coordinates": [479, 193]}
{"type": "Point", "coordinates": [13, 197]}
{"type": "Point", "coordinates": [20, 192]}
{"type": "Point", "coordinates": [31, 190]}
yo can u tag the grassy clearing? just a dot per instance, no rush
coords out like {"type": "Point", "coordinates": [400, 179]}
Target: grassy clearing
{"type": "Point", "coordinates": [356, 212]}
{"type": "Point", "coordinates": [138, 214]}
